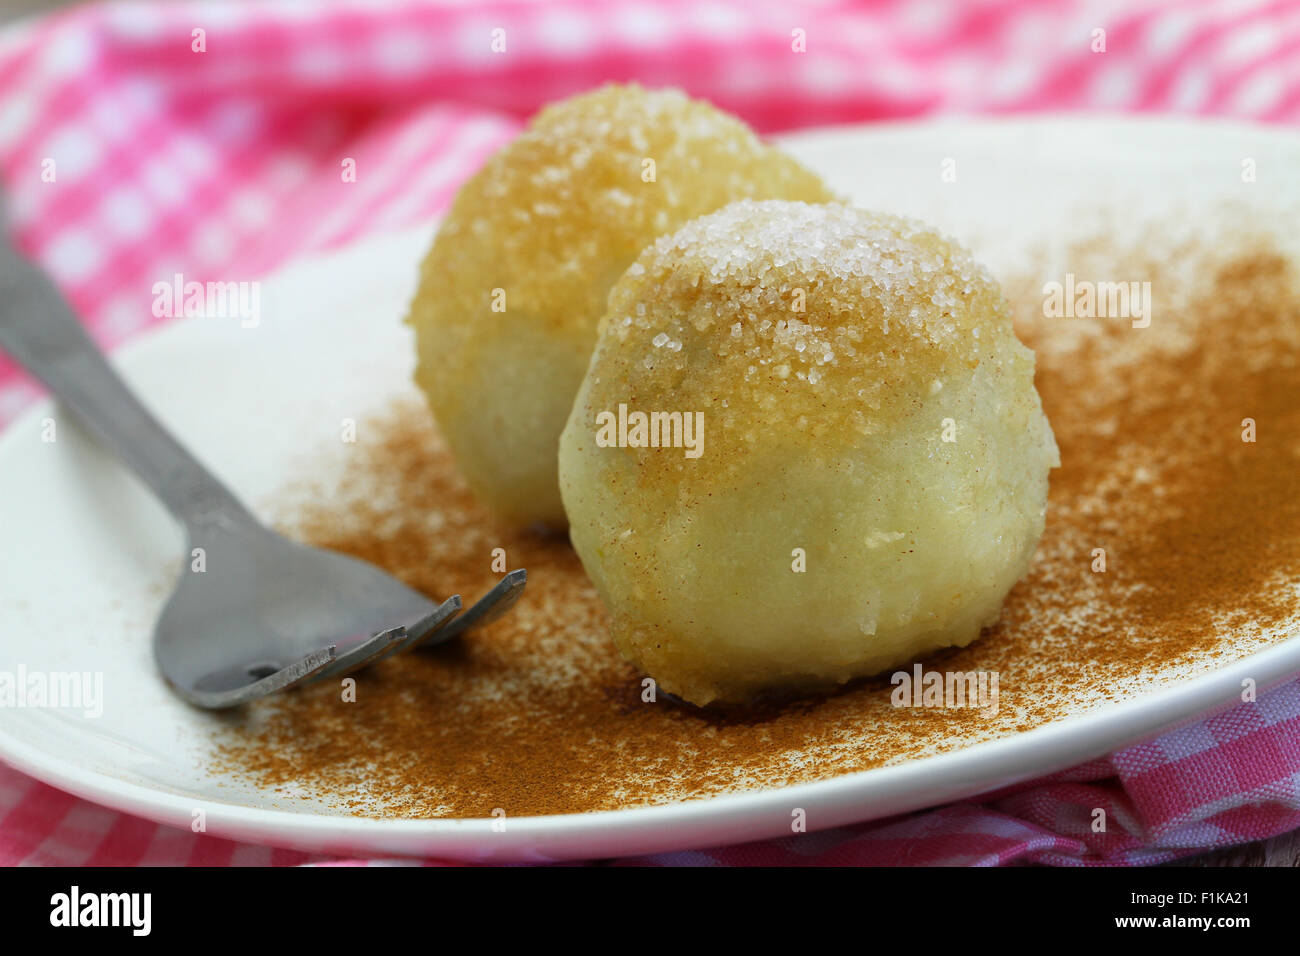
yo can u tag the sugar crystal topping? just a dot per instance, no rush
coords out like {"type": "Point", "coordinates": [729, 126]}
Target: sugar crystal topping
{"type": "Point", "coordinates": [556, 216]}
{"type": "Point", "coordinates": [830, 319]}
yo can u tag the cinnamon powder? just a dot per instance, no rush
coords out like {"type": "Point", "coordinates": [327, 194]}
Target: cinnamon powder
{"type": "Point", "coordinates": [537, 713]}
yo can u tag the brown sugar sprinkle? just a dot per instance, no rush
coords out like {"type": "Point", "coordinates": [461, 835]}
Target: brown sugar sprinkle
{"type": "Point", "coordinates": [537, 714]}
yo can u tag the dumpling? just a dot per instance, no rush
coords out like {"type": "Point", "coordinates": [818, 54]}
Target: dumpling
{"type": "Point", "coordinates": [515, 283]}
{"type": "Point", "coordinates": [808, 448]}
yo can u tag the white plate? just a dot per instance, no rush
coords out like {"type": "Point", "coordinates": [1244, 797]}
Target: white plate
{"type": "Point", "coordinates": [84, 550]}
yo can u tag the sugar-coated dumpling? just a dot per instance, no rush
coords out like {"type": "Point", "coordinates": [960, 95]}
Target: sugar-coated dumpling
{"type": "Point", "coordinates": [865, 472]}
{"type": "Point", "coordinates": [516, 281]}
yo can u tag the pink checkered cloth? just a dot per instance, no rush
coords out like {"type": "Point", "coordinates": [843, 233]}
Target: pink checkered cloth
{"type": "Point", "coordinates": [225, 162]}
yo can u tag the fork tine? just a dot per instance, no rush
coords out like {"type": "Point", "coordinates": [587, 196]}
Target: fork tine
{"type": "Point", "coordinates": [417, 632]}
{"type": "Point", "coordinates": [487, 609]}
{"type": "Point", "coordinates": [434, 622]}
{"type": "Point", "coordinates": [286, 677]}
{"type": "Point", "coordinates": [393, 640]}
{"type": "Point", "coordinates": [371, 649]}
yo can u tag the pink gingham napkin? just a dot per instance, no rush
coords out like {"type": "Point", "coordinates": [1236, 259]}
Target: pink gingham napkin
{"type": "Point", "coordinates": [225, 162]}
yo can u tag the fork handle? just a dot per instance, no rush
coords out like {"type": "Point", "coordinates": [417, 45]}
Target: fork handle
{"type": "Point", "coordinates": [38, 329]}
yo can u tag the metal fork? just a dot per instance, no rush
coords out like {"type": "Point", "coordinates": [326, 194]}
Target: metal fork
{"type": "Point", "coordinates": [259, 613]}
